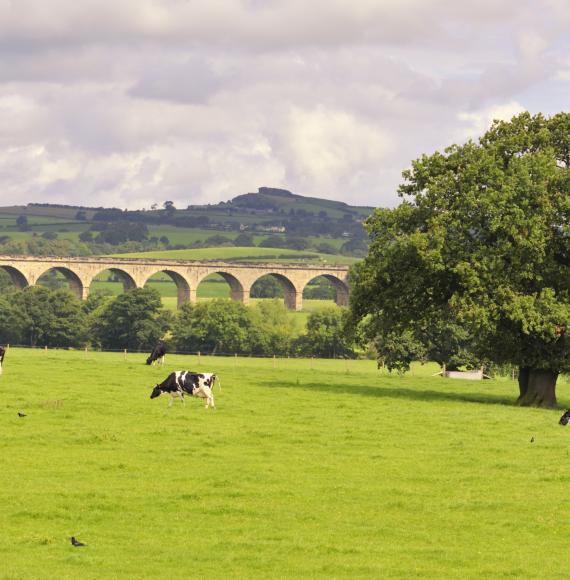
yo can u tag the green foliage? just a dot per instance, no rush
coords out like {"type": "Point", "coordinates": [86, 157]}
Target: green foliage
{"type": "Point", "coordinates": [22, 223]}
{"type": "Point", "coordinates": [5, 281]}
{"type": "Point", "coordinates": [244, 240]}
{"type": "Point", "coordinates": [134, 320]}
{"type": "Point", "coordinates": [395, 350]}
{"type": "Point", "coordinates": [218, 240]}
{"type": "Point", "coordinates": [120, 232]}
{"type": "Point", "coordinates": [275, 331]}
{"type": "Point", "coordinates": [267, 287]}
{"type": "Point", "coordinates": [482, 239]}
{"type": "Point", "coordinates": [319, 289]}
{"type": "Point", "coordinates": [49, 317]}
{"type": "Point", "coordinates": [222, 326]}
{"type": "Point", "coordinates": [327, 335]}
{"type": "Point", "coordinates": [11, 321]}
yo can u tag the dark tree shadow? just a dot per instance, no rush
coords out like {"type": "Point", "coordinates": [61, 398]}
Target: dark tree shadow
{"type": "Point", "coordinates": [382, 391]}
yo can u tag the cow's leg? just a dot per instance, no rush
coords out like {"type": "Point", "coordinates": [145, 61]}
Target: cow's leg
{"type": "Point", "coordinates": [162, 360]}
{"type": "Point", "coordinates": [171, 401]}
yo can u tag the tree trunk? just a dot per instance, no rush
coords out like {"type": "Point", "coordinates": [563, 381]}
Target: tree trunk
{"type": "Point", "coordinates": [524, 373]}
{"type": "Point", "coordinates": [537, 387]}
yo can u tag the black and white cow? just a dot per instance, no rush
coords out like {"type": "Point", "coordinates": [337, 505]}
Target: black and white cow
{"type": "Point", "coordinates": [182, 383]}
{"type": "Point", "coordinates": [157, 354]}
{"type": "Point", "coordinates": [565, 418]}
{"type": "Point", "coordinates": [2, 355]}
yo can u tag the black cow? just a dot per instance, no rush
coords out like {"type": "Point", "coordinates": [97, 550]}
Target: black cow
{"type": "Point", "coordinates": [181, 383]}
{"type": "Point", "coordinates": [157, 354]}
{"type": "Point", "coordinates": [2, 355]}
{"type": "Point", "coordinates": [565, 418]}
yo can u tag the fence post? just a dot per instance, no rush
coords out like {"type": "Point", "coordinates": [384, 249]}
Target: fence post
{"type": "Point", "coordinates": [312, 359]}
{"type": "Point", "coordinates": [45, 348]}
{"type": "Point", "coordinates": [125, 354]}
{"type": "Point", "coordinates": [198, 357]}
{"type": "Point", "coordinates": [235, 359]}
{"type": "Point", "coordinates": [274, 361]}
{"type": "Point", "coordinates": [85, 351]}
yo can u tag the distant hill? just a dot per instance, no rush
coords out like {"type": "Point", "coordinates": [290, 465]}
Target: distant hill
{"type": "Point", "coordinates": [272, 200]}
{"type": "Point", "coordinates": [271, 217]}
{"type": "Point", "coordinates": [266, 200]}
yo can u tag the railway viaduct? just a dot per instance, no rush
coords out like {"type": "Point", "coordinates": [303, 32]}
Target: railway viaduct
{"type": "Point", "coordinates": [134, 273]}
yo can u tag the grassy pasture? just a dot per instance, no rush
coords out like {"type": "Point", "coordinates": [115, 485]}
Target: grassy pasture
{"type": "Point", "coordinates": [243, 254]}
{"type": "Point", "coordinates": [309, 469]}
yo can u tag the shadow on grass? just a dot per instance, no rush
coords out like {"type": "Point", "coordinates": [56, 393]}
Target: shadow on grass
{"type": "Point", "coordinates": [399, 393]}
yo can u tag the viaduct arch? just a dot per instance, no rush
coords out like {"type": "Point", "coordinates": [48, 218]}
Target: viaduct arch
{"type": "Point", "coordinates": [134, 273]}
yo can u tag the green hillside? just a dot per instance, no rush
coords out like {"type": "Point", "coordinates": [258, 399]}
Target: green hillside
{"type": "Point", "coordinates": [269, 218]}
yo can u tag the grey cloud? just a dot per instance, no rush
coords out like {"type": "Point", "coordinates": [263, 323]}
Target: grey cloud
{"type": "Point", "coordinates": [192, 81]}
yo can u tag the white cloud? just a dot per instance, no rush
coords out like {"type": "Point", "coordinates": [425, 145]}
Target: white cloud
{"type": "Point", "coordinates": [479, 121]}
{"type": "Point", "coordinates": [133, 102]}
{"type": "Point", "coordinates": [329, 147]}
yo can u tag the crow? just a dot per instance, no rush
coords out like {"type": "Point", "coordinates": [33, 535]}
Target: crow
{"type": "Point", "coordinates": [77, 543]}
{"type": "Point", "coordinates": [21, 414]}
{"type": "Point", "coordinates": [532, 439]}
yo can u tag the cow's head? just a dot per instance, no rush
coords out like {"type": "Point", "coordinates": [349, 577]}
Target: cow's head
{"type": "Point", "coordinates": [565, 418]}
{"type": "Point", "coordinates": [156, 392]}
{"type": "Point", "coordinates": [149, 360]}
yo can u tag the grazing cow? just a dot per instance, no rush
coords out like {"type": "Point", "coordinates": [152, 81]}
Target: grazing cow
{"type": "Point", "coordinates": [2, 355]}
{"type": "Point", "coordinates": [565, 418]}
{"type": "Point", "coordinates": [181, 383]}
{"type": "Point", "coordinates": [157, 354]}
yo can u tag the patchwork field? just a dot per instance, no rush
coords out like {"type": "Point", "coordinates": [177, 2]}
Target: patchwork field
{"type": "Point", "coordinates": [307, 469]}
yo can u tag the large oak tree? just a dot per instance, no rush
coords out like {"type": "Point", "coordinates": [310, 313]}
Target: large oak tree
{"type": "Point", "coordinates": [481, 238]}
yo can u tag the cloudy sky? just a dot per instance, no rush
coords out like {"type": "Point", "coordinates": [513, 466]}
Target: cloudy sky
{"type": "Point", "coordinates": [127, 103]}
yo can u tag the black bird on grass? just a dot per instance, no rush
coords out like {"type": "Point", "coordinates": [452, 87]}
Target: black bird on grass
{"type": "Point", "coordinates": [21, 414]}
{"type": "Point", "coordinates": [565, 418]}
{"type": "Point", "coordinates": [77, 543]}
{"type": "Point", "coordinates": [532, 439]}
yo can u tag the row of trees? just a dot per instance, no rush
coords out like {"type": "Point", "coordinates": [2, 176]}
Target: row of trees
{"type": "Point", "coordinates": [39, 316]}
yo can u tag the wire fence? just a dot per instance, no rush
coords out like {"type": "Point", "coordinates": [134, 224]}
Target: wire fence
{"type": "Point", "coordinates": [510, 372]}
{"type": "Point", "coordinates": [197, 353]}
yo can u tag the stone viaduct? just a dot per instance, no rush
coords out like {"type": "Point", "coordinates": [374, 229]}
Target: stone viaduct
{"type": "Point", "coordinates": [135, 272]}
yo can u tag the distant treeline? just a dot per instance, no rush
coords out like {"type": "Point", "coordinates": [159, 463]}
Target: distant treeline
{"type": "Point", "coordinates": [38, 316]}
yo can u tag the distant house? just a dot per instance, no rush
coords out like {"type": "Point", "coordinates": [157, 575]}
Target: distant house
{"type": "Point", "coordinates": [271, 229]}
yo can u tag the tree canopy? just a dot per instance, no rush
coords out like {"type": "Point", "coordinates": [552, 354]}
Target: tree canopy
{"type": "Point", "coordinates": [481, 239]}
{"type": "Point", "coordinates": [134, 320]}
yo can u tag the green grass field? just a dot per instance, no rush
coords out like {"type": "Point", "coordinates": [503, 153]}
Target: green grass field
{"type": "Point", "coordinates": [307, 469]}
{"type": "Point", "coordinates": [244, 255]}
